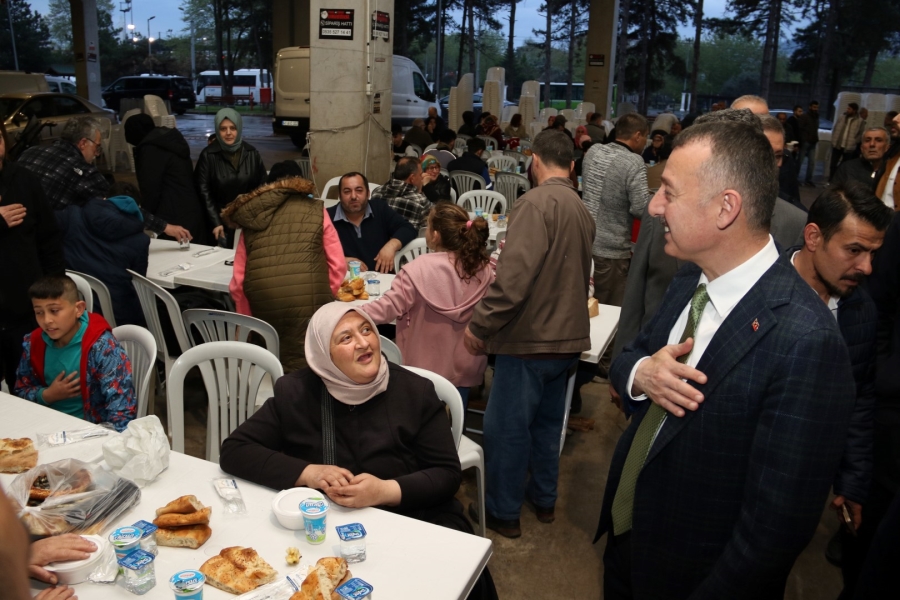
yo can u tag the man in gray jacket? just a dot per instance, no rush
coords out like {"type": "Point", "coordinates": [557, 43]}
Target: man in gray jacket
{"type": "Point", "coordinates": [535, 319]}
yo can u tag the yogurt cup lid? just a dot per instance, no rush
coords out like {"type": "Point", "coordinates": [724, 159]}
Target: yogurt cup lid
{"type": "Point", "coordinates": [314, 506]}
{"type": "Point", "coordinates": [73, 565]}
{"type": "Point", "coordinates": [354, 589]}
{"type": "Point", "coordinates": [187, 581]}
{"type": "Point", "coordinates": [147, 528]}
{"type": "Point", "coordinates": [351, 531]}
{"type": "Point", "coordinates": [125, 535]}
{"type": "Point", "coordinates": [136, 560]}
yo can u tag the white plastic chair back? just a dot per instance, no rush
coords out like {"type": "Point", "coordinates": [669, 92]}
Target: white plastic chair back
{"type": "Point", "coordinates": [407, 253]}
{"type": "Point", "coordinates": [373, 187]}
{"type": "Point", "coordinates": [501, 162]}
{"type": "Point", "coordinates": [391, 351]}
{"type": "Point", "coordinates": [224, 326]}
{"type": "Point", "coordinates": [568, 113]}
{"type": "Point", "coordinates": [501, 235]}
{"type": "Point", "coordinates": [332, 183]}
{"type": "Point", "coordinates": [140, 347]}
{"type": "Point", "coordinates": [99, 288]}
{"type": "Point", "coordinates": [460, 143]}
{"type": "Point", "coordinates": [582, 110]}
{"type": "Point", "coordinates": [330, 202]}
{"type": "Point", "coordinates": [237, 238]}
{"type": "Point", "coordinates": [488, 201]}
{"type": "Point", "coordinates": [465, 181]}
{"type": "Point", "coordinates": [84, 288]}
{"type": "Point", "coordinates": [417, 148]}
{"type": "Point", "coordinates": [509, 185]}
{"type": "Point", "coordinates": [489, 141]}
{"type": "Point", "coordinates": [232, 373]}
{"type": "Point", "coordinates": [449, 395]}
{"type": "Point", "coordinates": [303, 162]}
{"type": "Point", "coordinates": [155, 106]}
{"type": "Point", "coordinates": [545, 114]}
{"type": "Point", "coordinates": [430, 147]}
{"type": "Point", "coordinates": [536, 127]}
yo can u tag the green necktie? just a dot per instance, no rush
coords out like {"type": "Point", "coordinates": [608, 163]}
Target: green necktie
{"type": "Point", "coordinates": [623, 502]}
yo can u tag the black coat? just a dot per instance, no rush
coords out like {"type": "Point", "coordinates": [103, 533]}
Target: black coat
{"type": "Point", "coordinates": [27, 251]}
{"type": "Point", "coordinates": [438, 190]}
{"type": "Point", "coordinates": [101, 240]}
{"type": "Point", "coordinates": [165, 176]}
{"type": "Point", "coordinates": [218, 183]}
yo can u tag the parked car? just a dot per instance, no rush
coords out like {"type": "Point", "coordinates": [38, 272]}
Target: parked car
{"type": "Point", "coordinates": [177, 90]}
{"type": "Point", "coordinates": [50, 108]}
{"type": "Point", "coordinates": [60, 84]}
{"type": "Point", "coordinates": [476, 105]}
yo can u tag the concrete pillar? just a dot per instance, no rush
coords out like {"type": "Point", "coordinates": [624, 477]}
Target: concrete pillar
{"type": "Point", "coordinates": [87, 51]}
{"type": "Point", "coordinates": [349, 91]}
{"type": "Point", "coordinates": [599, 70]}
{"type": "Point", "coordinates": [290, 24]}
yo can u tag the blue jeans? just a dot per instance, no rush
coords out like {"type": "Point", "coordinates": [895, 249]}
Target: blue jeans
{"type": "Point", "coordinates": [522, 427]}
{"type": "Point", "coordinates": [808, 151]}
{"type": "Point", "coordinates": [464, 394]}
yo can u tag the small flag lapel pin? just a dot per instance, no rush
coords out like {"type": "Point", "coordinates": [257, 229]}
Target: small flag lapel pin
{"type": "Point", "coordinates": [755, 324]}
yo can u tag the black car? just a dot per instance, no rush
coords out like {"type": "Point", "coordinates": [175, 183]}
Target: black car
{"type": "Point", "coordinates": [177, 90]}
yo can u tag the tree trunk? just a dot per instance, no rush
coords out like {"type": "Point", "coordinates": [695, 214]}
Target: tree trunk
{"type": "Point", "coordinates": [548, 49]}
{"type": "Point", "coordinates": [401, 15]}
{"type": "Point", "coordinates": [462, 41]}
{"type": "Point", "coordinates": [443, 28]}
{"type": "Point", "coordinates": [622, 48]}
{"type": "Point", "coordinates": [775, 46]}
{"type": "Point", "coordinates": [695, 60]}
{"type": "Point", "coordinates": [570, 66]}
{"type": "Point", "coordinates": [218, 20]}
{"type": "Point", "coordinates": [472, 43]}
{"type": "Point", "coordinates": [645, 57]}
{"type": "Point", "coordinates": [870, 67]}
{"type": "Point", "coordinates": [772, 24]}
{"type": "Point", "coordinates": [820, 88]}
{"type": "Point", "coordinates": [511, 82]}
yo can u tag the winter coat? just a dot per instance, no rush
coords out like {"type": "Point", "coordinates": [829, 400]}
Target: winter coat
{"type": "Point", "coordinates": [218, 182]}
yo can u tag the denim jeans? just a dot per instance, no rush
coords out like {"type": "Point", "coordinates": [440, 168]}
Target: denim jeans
{"type": "Point", "coordinates": [807, 151]}
{"type": "Point", "coordinates": [464, 394]}
{"type": "Point", "coordinates": [522, 427]}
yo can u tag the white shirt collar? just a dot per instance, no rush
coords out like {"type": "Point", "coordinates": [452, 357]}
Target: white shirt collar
{"type": "Point", "coordinates": [728, 289]}
{"type": "Point", "coordinates": [832, 300]}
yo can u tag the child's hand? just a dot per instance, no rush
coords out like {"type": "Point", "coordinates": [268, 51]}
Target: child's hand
{"type": "Point", "coordinates": [61, 388]}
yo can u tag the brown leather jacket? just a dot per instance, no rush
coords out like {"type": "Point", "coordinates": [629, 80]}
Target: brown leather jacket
{"type": "Point", "coordinates": [536, 304]}
{"type": "Point", "coordinates": [286, 278]}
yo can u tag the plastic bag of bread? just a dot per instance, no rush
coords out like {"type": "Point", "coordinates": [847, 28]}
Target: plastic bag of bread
{"type": "Point", "coordinates": [70, 496]}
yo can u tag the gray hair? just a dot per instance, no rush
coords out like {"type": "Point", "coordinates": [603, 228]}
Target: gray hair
{"type": "Point", "coordinates": [731, 115]}
{"type": "Point", "coordinates": [750, 98]}
{"type": "Point", "coordinates": [742, 159]}
{"type": "Point", "coordinates": [80, 128]}
{"type": "Point", "coordinates": [878, 128]}
{"type": "Point", "coordinates": [770, 123]}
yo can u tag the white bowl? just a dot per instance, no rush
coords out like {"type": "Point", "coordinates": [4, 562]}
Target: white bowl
{"type": "Point", "coordinates": [71, 572]}
{"type": "Point", "coordinates": [286, 506]}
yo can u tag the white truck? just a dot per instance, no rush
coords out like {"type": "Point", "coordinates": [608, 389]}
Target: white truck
{"type": "Point", "coordinates": [410, 95]}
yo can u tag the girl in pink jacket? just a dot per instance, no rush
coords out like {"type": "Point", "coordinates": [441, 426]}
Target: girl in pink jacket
{"type": "Point", "coordinates": [433, 297]}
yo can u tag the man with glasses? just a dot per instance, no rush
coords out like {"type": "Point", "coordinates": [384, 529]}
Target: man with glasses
{"type": "Point", "coordinates": [68, 174]}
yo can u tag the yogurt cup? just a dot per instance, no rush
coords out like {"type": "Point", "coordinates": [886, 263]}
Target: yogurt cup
{"type": "Point", "coordinates": [188, 585]}
{"type": "Point", "coordinates": [125, 540]}
{"type": "Point", "coordinates": [354, 589]}
{"type": "Point", "coordinates": [314, 511]}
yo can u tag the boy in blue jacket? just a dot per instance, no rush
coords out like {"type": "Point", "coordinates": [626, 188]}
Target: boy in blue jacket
{"type": "Point", "coordinates": [72, 362]}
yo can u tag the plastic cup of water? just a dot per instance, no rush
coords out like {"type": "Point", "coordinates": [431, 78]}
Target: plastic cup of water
{"type": "Point", "coordinates": [373, 287]}
{"type": "Point", "coordinates": [314, 511]}
{"type": "Point", "coordinates": [479, 212]}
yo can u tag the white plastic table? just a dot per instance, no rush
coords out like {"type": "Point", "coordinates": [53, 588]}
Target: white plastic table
{"type": "Point", "coordinates": [405, 556]}
{"type": "Point", "coordinates": [165, 255]}
{"type": "Point", "coordinates": [603, 329]}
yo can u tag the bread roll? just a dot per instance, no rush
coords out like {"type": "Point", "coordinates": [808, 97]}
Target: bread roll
{"type": "Point", "coordinates": [237, 570]}
{"type": "Point", "coordinates": [183, 505]}
{"type": "Point", "coordinates": [180, 520]}
{"type": "Point", "coordinates": [324, 577]}
{"type": "Point", "coordinates": [192, 536]}
{"type": "Point", "coordinates": [17, 455]}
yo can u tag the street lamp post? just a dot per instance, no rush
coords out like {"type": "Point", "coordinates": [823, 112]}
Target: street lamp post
{"type": "Point", "coordinates": [149, 37]}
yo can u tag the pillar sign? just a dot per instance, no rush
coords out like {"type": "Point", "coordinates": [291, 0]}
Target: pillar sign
{"type": "Point", "coordinates": [596, 60]}
{"type": "Point", "coordinates": [381, 25]}
{"type": "Point", "coordinates": [336, 24]}
{"type": "Point", "coordinates": [92, 52]}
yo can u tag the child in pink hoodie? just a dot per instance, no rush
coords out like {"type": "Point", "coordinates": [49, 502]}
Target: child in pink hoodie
{"type": "Point", "coordinates": [433, 297]}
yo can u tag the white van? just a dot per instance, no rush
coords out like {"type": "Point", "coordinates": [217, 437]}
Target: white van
{"type": "Point", "coordinates": [61, 85]}
{"type": "Point", "coordinates": [411, 96]}
{"type": "Point", "coordinates": [247, 82]}
{"type": "Point", "coordinates": [17, 81]}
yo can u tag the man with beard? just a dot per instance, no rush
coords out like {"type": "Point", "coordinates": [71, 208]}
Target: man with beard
{"type": "Point", "coordinates": [846, 225]}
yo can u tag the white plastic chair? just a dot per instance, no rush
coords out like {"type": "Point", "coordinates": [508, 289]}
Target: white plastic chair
{"type": "Point", "coordinates": [502, 162]}
{"type": "Point", "coordinates": [103, 297]}
{"type": "Point", "coordinates": [465, 181]}
{"type": "Point", "coordinates": [232, 373]}
{"type": "Point", "coordinates": [509, 184]}
{"type": "Point", "coordinates": [470, 454]}
{"type": "Point", "coordinates": [417, 149]}
{"type": "Point", "coordinates": [570, 389]}
{"type": "Point", "coordinates": [333, 182]}
{"type": "Point", "coordinates": [391, 351]}
{"type": "Point", "coordinates": [536, 127]}
{"type": "Point", "coordinates": [224, 326]}
{"type": "Point", "coordinates": [407, 253]}
{"type": "Point", "coordinates": [430, 147]}
{"type": "Point", "coordinates": [304, 166]}
{"type": "Point", "coordinates": [140, 347]}
{"type": "Point", "coordinates": [489, 141]}
{"type": "Point", "coordinates": [490, 202]}
{"type": "Point", "coordinates": [155, 107]}
{"type": "Point", "coordinates": [148, 292]}
{"type": "Point", "coordinates": [545, 114]}
{"type": "Point", "coordinates": [84, 288]}
{"type": "Point", "coordinates": [459, 143]}
{"type": "Point", "coordinates": [568, 113]}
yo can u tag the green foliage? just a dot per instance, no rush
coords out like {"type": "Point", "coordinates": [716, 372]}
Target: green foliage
{"type": "Point", "coordinates": [32, 34]}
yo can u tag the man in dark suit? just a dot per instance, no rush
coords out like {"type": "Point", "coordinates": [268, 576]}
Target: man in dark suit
{"type": "Point", "coordinates": [741, 388]}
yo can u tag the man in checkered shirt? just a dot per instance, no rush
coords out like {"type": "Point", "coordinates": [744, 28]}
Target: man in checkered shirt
{"type": "Point", "coordinates": [404, 192]}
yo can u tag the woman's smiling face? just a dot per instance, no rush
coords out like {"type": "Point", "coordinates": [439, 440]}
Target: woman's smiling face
{"type": "Point", "coordinates": [356, 348]}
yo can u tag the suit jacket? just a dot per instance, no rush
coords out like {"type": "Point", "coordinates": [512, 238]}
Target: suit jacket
{"type": "Point", "coordinates": [730, 494]}
{"type": "Point", "coordinates": [652, 270]}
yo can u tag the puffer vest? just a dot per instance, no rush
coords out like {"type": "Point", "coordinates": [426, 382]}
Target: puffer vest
{"type": "Point", "coordinates": [286, 277]}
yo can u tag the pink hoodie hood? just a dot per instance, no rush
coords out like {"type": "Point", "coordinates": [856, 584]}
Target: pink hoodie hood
{"type": "Point", "coordinates": [438, 283]}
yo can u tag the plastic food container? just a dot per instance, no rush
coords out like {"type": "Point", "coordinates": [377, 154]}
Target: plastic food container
{"type": "Point", "coordinates": [354, 589]}
{"type": "Point", "coordinates": [140, 573]}
{"type": "Point", "coordinates": [315, 512]}
{"type": "Point", "coordinates": [148, 539]}
{"type": "Point", "coordinates": [286, 506]}
{"type": "Point", "coordinates": [353, 542]}
{"type": "Point", "coordinates": [188, 585]}
{"type": "Point", "coordinates": [71, 572]}
{"type": "Point", "coordinates": [125, 540]}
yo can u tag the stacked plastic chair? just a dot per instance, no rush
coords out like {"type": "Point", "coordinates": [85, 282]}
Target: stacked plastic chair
{"type": "Point", "coordinates": [492, 99]}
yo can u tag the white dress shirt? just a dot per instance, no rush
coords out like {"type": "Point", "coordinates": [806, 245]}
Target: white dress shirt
{"type": "Point", "coordinates": [724, 294]}
{"type": "Point", "coordinates": [888, 195]}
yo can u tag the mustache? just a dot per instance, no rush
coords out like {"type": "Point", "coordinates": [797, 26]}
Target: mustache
{"type": "Point", "coordinates": [857, 277]}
